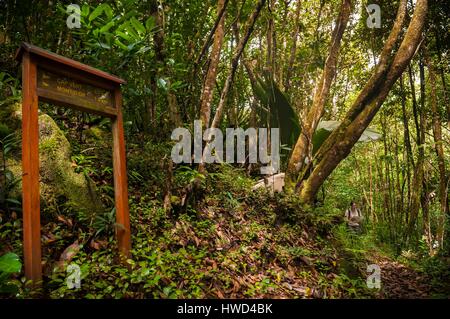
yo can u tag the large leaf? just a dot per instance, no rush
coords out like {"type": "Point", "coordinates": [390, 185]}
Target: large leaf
{"type": "Point", "coordinates": [137, 25]}
{"type": "Point", "coordinates": [107, 26]}
{"type": "Point", "coordinates": [108, 10]}
{"type": "Point", "coordinates": [150, 23]}
{"type": "Point", "coordinates": [276, 106]}
{"type": "Point", "coordinates": [324, 129]}
{"type": "Point", "coordinates": [10, 263]}
{"type": "Point", "coordinates": [97, 11]}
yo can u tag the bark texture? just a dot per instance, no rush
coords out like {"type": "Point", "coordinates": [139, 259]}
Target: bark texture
{"type": "Point", "coordinates": [208, 87]}
{"type": "Point", "coordinates": [340, 142]}
{"type": "Point", "coordinates": [303, 147]}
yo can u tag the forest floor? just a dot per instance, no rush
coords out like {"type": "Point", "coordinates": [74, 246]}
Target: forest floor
{"type": "Point", "coordinates": [232, 244]}
{"type": "Point", "coordinates": [225, 242]}
{"type": "Point", "coordinates": [400, 281]}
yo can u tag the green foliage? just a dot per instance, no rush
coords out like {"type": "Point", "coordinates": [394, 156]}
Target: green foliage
{"type": "Point", "coordinates": [344, 286]}
{"type": "Point", "coordinates": [84, 164]}
{"type": "Point", "coordinates": [263, 286]}
{"type": "Point", "coordinates": [9, 264]}
{"type": "Point", "coordinates": [145, 165]}
{"type": "Point", "coordinates": [8, 143]}
{"type": "Point", "coordinates": [105, 223]}
{"type": "Point", "coordinates": [276, 108]}
{"type": "Point", "coordinates": [225, 178]}
{"type": "Point", "coordinates": [186, 175]}
{"type": "Point", "coordinates": [9, 89]}
{"type": "Point", "coordinates": [325, 128]}
{"type": "Point", "coordinates": [105, 29]}
{"type": "Point", "coordinates": [438, 269]}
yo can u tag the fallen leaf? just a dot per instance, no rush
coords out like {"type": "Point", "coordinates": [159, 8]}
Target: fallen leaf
{"type": "Point", "coordinates": [70, 252]}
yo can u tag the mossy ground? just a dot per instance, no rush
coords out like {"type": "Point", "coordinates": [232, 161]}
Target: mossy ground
{"type": "Point", "coordinates": [59, 183]}
{"type": "Point", "coordinates": [234, 243]}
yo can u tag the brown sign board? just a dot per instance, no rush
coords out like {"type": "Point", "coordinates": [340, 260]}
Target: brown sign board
{"type": "Point", "coordinates": [76, 94]}
{"type": "Point", "coordinates": [49, 77]}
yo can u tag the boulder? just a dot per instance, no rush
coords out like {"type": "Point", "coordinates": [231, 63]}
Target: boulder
{"type": "Point", "coordinates": [58, 181]}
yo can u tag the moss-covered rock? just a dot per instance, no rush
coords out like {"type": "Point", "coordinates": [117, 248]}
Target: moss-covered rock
{"type": "Point", "coordinates": [58, 180]}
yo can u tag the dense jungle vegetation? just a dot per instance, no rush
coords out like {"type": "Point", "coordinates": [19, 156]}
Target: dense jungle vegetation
{"type": "Point", "coordinates": [363, 114]}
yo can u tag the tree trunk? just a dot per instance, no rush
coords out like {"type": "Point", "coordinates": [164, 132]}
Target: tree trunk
{"type": "Point", "coordinates": [287, 82]}
{"type": "Point", "coordinates": [158, 39]}
{"type": "Point", "coordinates": [174, 114]}
{"type": "Point", "coordinates": [409, 155]}
{"type": "Point", "coordinates": [302, 150]}
{"type": "Point", "coordinates": [424, 196]}
{"type": "Point", "coordinates": [208, 87]}
{"type": "Point", "coordinates": [205, 46]}
{"type": "Point", "coordinates": [340, 142]}
{"type": "Point", "coordinates": [441, 71]}
{"type": "Point", "coordinates": [438, 145]}
{"type": "Point", "coordinates": [234, 63]}
{"type": "Point", "coordinates": [416, 187]}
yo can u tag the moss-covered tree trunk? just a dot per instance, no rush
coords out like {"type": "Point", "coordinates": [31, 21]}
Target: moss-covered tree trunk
{"type": "Point", "coordinates": [339, 144]}
{"type": "Point", "coordinates": [303, 148]}
{"type": "Point", "coordinates": [208, 87]}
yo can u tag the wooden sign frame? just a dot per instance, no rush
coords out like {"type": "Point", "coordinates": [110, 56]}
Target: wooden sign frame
{"type": "Point", "coordinates": [56, 79]}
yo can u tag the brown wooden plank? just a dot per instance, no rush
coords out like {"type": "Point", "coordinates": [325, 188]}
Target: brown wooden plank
{"type": "Point", "coordinates": [78, 90]}
{"type": "Point", "coordinates": [76, 74]}
{"type": "Point", "coordinates": [26, 47]}
{"type": "Point", "coordinates": [76, 94]}
{"type": "Point", "coordinates": [30, 171]}
{"type": "Point", "coordinates": [120, 180]}
{"type": "Point", "coordinates": [62, 100]}
{"type": "Point", "coordinates": [84, 106]}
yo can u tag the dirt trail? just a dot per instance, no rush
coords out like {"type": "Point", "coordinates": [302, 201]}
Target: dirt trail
{"type": "Point", "coordinates": [399, 281]}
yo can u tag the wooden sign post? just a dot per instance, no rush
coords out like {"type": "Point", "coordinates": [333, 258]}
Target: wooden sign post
{"type": "Point", "coordinates": [53, 78]}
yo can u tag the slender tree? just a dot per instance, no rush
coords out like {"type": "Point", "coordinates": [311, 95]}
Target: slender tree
{"type": "Point", "coordinates": [208, 87]}
{"type": "Point", "coordinates": [438, 146]}
{"type": "Point", "coordinates": [303, 148]}
{"type": "Point", "coordinates": [234, 62]}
